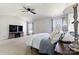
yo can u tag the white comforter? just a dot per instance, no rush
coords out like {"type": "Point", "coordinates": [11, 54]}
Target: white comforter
{"type": "Point", "coordinates": [34, 40]}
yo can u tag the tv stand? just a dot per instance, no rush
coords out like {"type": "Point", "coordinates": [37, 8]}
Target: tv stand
{"type": "Point", "coordinates": [15, 34]}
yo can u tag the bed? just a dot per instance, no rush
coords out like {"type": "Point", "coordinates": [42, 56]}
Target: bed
{"type": "Point", "coordinates": [35, 40]}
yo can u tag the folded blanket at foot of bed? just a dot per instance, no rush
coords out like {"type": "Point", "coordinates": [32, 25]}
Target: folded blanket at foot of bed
{"type": "Point", "coordinates": [46, 47]}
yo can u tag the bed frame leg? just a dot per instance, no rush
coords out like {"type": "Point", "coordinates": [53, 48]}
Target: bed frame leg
{"type": "Point", "coordinates": [31, 50]}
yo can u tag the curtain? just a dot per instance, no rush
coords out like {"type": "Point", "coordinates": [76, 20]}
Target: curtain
{"type": "Point", "coordinates": [57, 24]}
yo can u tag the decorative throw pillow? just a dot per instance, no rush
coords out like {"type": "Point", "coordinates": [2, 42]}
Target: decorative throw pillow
{"type": "Point", "coordinates": [53, 34]}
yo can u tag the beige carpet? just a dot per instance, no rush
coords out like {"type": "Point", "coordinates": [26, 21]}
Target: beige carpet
{"type": "Point", "coordinates": [16, 46]}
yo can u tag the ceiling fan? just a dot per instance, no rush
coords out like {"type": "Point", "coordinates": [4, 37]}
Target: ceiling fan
{"type": "Point", "coordinates": [28, 10]}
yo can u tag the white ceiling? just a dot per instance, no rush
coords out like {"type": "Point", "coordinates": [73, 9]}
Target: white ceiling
{"type": "Point", "coordinates": [45, 9]}
{"type": "Point", "coordinates": [69, 9]}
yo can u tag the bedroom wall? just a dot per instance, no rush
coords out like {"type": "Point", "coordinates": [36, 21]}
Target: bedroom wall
{"type": "Point", "coordinates": [47, 24]}
{"type": "Point", "coordinates": [42, 25]}
{"type": "Point", "coordinates": [6, 20]}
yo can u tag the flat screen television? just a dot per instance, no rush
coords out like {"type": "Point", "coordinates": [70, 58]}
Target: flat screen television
{"type": "Point", "coordinates": [12, 28]}
{"type": "Point", "coordinates": [20, 28]}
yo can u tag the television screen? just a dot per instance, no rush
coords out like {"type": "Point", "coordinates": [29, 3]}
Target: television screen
{"type": "Point", "coordinates": [20, 28]}
{"type": "Point", "coordinates": [12, 28]}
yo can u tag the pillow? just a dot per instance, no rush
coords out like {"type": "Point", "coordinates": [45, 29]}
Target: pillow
{"type": "Point", "coordinates": [56, 38]}
{"type": "Point", "coordinates": [53, 34]}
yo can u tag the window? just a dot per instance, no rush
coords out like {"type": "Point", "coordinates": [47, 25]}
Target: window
{"type": "Point", "coordinates": [57, 24]}
{"type": "Point", "coordinates": [70, 25]}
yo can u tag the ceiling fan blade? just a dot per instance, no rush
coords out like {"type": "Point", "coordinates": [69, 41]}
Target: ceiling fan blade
{"type": "Point", "coordinates": [24, 7]}
{"type": "Point", "coordinates": [33, 12]}
{"type": "Point", "coordinates": [24, 11]}
{"type": "Point", "coordinates": [32, 9]}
